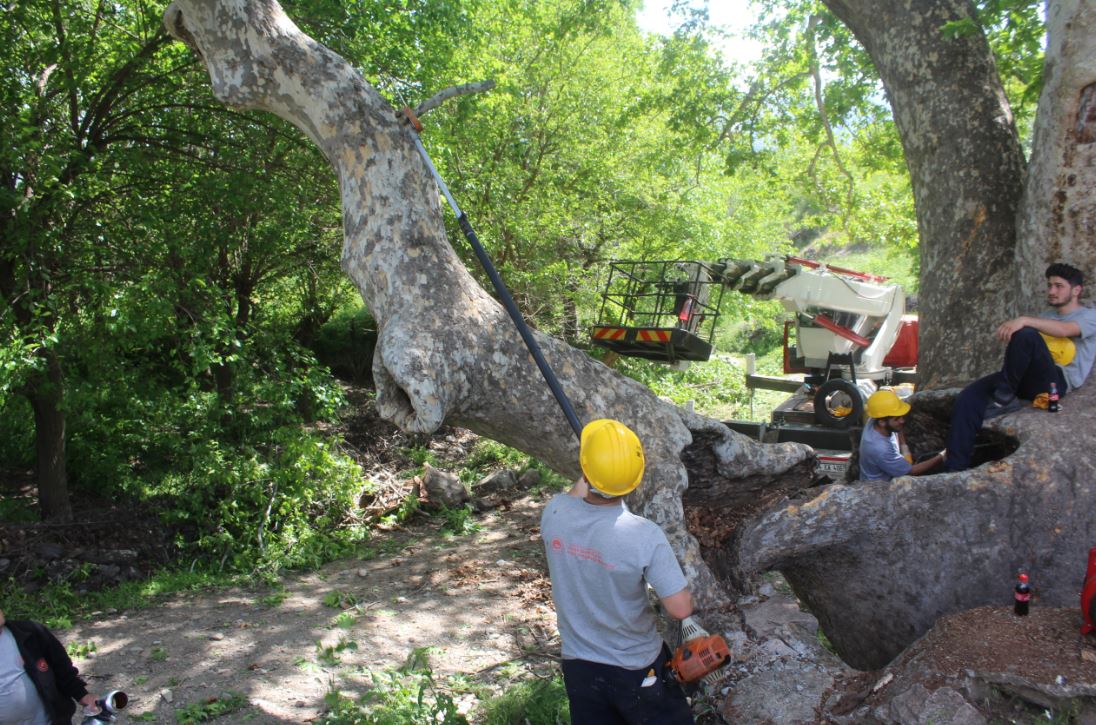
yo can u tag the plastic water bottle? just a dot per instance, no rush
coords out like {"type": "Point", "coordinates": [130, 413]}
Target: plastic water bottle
{"type": "Point", "coordinates": [1023, 595]}
{"type": "Point", "coordinates": [1052, 399]}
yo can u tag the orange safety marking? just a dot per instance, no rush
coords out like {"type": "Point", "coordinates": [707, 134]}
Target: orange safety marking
{"type": "Point", "coordinates": [653, 335]}
{"type": "Point", "coordinates": [609, 333]}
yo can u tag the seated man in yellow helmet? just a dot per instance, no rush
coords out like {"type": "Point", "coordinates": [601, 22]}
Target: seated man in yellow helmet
{"type": "Point", "coordinates": [1058, 346]}
{"type": "Point", "coordinates": [601, 559]}
{"type": "Point", "coordinates": [883, 451]}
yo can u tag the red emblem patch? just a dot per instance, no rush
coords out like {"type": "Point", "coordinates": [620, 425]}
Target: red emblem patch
{"type": "Point", "coordinates": [42, 665]}
{"type": "Point", "coordinates": [556, 544]}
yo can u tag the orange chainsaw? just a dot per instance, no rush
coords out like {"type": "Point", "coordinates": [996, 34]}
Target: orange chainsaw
{"type": "Point", "coordinates": [700, 654]}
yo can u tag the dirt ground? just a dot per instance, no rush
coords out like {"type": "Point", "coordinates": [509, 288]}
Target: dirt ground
{"type": "Point", "coordinates": [481, 603]}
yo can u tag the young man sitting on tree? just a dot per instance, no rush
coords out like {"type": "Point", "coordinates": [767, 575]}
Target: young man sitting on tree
{"type": "Point", "coordinates": [1057, 347]}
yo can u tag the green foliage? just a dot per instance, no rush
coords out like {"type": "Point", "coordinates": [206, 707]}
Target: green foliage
{"type": "Point", "coordinates": [57, 604]}
{"type": "Point", "coordinates": [284, 505]}
{"type": "Point", "coordinates": [407, 509]}
{"type": "Point", "coordinates": [420, 456]}
{"type": "Point", "coordinates": [17, 509]}
{"type": "Point", "coordinates": [329, 655]}
{"type": "Point", "coordinates": [406, 696]}
{"type": "Point", "coordinates": [211, 708]}
{"type": "Point", "coordinates": [458, 521]}
{"type": "Point", "coordinates": [80, 649]}
{"type": "Point", "coordinates": [345, 342]}
{"type": "Point", "coordinates": [488, 455]}
{"type": "Point", "coordinates": [339, 600]}
{"type": "Point", "coordinates": [537, 701]}
{"type": "Point", "coordinates": [714, 387]}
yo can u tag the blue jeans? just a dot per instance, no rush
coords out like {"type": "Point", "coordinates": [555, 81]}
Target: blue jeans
{"type": "Point", "coordinates": [602, 694]}
{"type": "Point", "coordinates": [1028, 371]}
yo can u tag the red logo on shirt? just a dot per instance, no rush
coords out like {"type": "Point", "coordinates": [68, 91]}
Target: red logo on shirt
{"type": "Point", "coordinates": [42, 665]}
{"type": "Point", "coordinates": [557, 545]}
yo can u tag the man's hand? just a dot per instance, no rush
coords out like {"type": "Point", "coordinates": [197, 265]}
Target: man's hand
{"type": "Point", "coordinates": [1011, 327]}
{"type": "Point", "coordinates": [88, 701]}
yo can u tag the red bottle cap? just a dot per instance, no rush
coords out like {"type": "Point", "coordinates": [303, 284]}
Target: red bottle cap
{"type": "Point", "coordinates": [1023, 577]}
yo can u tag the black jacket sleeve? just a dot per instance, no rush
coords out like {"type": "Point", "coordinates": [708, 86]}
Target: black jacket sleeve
{"type": "Point", "coordinates": [49, 668]}
{"type": "Point", "coordinates": [64, 672]}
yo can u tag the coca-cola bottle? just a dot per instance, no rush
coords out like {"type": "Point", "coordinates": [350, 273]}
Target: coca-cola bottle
{"type": "Point", "coordinates": [1052, 399]}
{"type": "Point", "coordinates": [1023, 595]}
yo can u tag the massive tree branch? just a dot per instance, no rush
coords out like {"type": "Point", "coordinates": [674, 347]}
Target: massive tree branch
{"type": "Point", "coordinates": [446, 351]}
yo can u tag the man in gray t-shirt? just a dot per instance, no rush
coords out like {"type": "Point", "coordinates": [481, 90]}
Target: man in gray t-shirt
{"type": "Point", "coordinates": [601, 559]}
{"type": "Point", "coordinates": [1030, 366]}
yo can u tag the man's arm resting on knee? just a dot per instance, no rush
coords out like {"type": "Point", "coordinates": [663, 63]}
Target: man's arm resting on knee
{"type": "Point", "coordinates": [1055, 328]}
{"type": "Point", "coordinates": [678, 605]}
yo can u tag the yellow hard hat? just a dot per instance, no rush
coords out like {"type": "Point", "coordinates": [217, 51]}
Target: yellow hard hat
{"type": "Point", "coordinates": [885, 404]}
{"type": "Point", "coordinates": [611, 457]}
{"type": "Point", "coordinates": [1062, 349]}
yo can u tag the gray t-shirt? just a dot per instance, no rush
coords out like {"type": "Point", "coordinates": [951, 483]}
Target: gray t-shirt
{"type": "Point", "coordinates": [601, 559]}
{"type": "Point", "coordinates": [19, 700]}
{"type": "Point", "coordinates": [1077, 371]}
{"type": "Point", "coordinates": [880, 459]}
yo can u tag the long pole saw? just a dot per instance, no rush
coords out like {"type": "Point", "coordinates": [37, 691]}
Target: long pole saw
{"type": "Point", "coordinates": [500, 286]}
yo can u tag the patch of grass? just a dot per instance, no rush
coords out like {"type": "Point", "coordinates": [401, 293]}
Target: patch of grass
{"type": "Point", "coordinates": [825, 641]}
{"type": "Point", "coordinates": [57, 605]}
{"type": "Point", "coordinates": [405, 695]}
{"type": "Point", "coordinates": [543, 702]}
{"type": "Point", "coordinates": [419, 456]}
{"type": "Point", "coordinates": [274, 599]}
{"type": "Point", "coordinates": [158, 654]}
{"type": "Point", "coordinates": [345, 620]}
{"type": "Point", "coordinates": [211, 708]}
{"type": "Point", "coordinates": [488, 455]}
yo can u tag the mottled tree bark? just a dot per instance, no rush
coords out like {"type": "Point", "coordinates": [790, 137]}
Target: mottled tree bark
{"type": "Point", "coordinates": [966, 169]}
{"type": "Point", "coordinates": [446, 350]}
{"type": "Point", "coordinates": [1057, 220]}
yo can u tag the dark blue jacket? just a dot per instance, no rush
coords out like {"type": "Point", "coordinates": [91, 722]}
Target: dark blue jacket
{"type": "Point", "coordinates": [50, 669]}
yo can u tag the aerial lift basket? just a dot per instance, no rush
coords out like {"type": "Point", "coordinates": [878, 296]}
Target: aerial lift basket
{"type": "Point", "coordinates": [659, 310]}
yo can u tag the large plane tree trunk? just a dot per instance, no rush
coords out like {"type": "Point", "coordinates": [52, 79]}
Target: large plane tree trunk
{"type": "Point", "coordinates": [446, 350]}
{"type": "Point", "coordinates": [878, 563]}
{"type": "Point", "coordinates": [1058, 212]}
{"type": "Point", "coordinates": [966, 169]}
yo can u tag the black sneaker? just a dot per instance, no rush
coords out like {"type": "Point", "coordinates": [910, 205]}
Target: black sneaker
{"type": "Point", "coordinates": [997, 407]}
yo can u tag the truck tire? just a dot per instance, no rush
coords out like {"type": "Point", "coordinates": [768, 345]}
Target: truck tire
{"type": "Point", "coordinates": [838, 404]}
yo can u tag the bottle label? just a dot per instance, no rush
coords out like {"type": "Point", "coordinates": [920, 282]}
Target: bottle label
{"type": "Point", "coordinates": [1023, 596]}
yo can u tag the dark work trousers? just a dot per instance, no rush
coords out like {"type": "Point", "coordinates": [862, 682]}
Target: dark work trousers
{"type": "Point", "coordinates": [1028, 371]}
{"type": "Point", "coordinates": [606, 695]}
